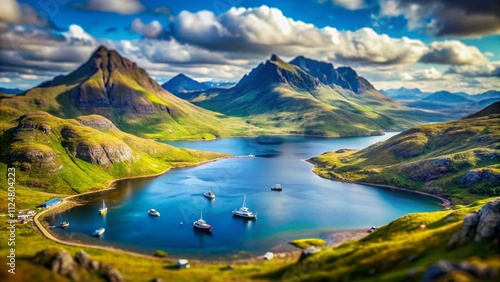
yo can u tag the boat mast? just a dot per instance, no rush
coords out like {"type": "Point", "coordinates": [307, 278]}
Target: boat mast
{"type": "Point", "coordinates": [244, 201]}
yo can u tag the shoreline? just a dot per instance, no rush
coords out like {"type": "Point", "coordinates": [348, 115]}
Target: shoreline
{"type": "Point", "coordinates": [67, 203]}
{"type": "Point", "coordinates": [444, 202]}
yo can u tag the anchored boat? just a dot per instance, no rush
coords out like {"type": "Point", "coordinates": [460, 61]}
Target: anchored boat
{"type": "Point", "coordinates": [244, 211]}
{"type": "Point", "coordinates": [103, 209]}
{"type": "Point", "coordinates": [201, 224]}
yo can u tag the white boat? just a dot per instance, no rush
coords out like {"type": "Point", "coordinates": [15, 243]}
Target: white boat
{"type": "Point", "coordinates": [103, 209]}
{"type": "Point", "coordinates": [153, 212]}
{"type": "Point", "coordinates": [209, 195]}
{"type": "Point", "coordinates": [244, 211]}
{"type": "Point", "coordinates": [251, 156]}
{"type": "Point", "coordinates": [201, 224]}
{"type": "Point", "coordinates": [64, 224]}
{"type": "Point", "coordinates": [277, 187]}
{"type": "Point", "coordinates": [99, 232]}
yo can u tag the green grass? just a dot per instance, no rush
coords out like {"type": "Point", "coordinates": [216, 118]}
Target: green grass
{"type": "Point", "coordinates": [411, 159]}
{"type": "Point", "coordinates": [58, 170]}
{"type": "Point", "coordinates": [305, 243]}
{"type": "Point", "coordinates": [410, 243]}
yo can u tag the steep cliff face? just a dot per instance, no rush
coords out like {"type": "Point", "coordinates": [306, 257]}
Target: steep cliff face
{"type": "Point", "coordinates": [64, 156]}
{"type": "Point", "coordinates": [102, 152]}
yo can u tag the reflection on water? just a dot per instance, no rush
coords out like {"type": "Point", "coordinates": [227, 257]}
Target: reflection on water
{"type": "Point", "coordinates": [307, 206]}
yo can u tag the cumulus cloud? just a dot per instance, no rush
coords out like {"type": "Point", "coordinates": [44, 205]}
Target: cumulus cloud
{"type": "Point", "coordinates": [486, 70]}
{"type": "Point", "coordinates": [453, 52]}
{"type": "Point", "coordinates": [10, 11]}
{"type": "Point", "coordinates": [446, 17]}
{"type": "Point", "coordinates": [150, 30]}
{"type": "Point", "coordinates": [43, 52]}
{"type": "Point", "coordinates": [266, 30]}
{"type": "Point", "coordinates": [124, 7]}
{"type": "Point", "coordinates": [425, 74]}
{"type": "Point", "coordinates": [348, 4]}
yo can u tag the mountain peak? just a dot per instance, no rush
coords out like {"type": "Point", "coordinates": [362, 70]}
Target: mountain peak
{"type": "Point", "coordinates": [274, 58]}
{"type": "Point", "coordinates": [182, 83]}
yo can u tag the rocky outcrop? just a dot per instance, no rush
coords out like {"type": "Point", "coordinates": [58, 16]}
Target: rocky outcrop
{"type": "Point", "coordinates": [309, 251]}
{"type": "Point", "coordinates": [106, 152]}
{"type": "Point", "coordinates": [103, 154]}
{"type": "Point", "coordinates": [426, 170]}
{"type": "Point", "coordinates": [443, 269]}
{"type": "Point", "coordinates": [474, 176]}
{"type": "Point", "coordinates": [96, 122]}
{"type": "Point", "coordinates": [33, 156]}
{"type": "Point", "coordinates": [484, 225]}
{"type": "Point", "coordinates": [62, 263]}
{"type": "Point", "coordinates": [488, 227]}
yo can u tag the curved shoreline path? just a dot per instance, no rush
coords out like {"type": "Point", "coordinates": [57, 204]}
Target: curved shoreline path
{"type": "Point", "coordinates": [445, 202]}
{"type": "Point", "coordinates": [330, 206]}
{"type": "Point", "coordinates": [67, 204]}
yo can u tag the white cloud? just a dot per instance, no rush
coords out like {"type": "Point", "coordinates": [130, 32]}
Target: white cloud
{"type": "Point", "coordinates": [150, 30]}
{"type": "Point", "coordinates": [125, 7]}
{"type": "Point", "coordinates": [453, 52]}
{"type": "Point", "coordinates": [485, 70]}
{"type": "Point", "coordinates": [350, 4]}
{"type": "Point", "coordinates": [266, 30]}
{"type": "Point", "coordinates": [10, 11]}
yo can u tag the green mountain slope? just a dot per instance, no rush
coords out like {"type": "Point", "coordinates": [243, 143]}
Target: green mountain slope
{"type": "Point", "coordinates": [288, 99]}
{"type": "Point", "coordinates": [68, 156]}
{"type": "Point", "coordinates": [409, 249]}
{"type": "Point", "coordinates": [114, 87]}
{"type": "Point", "coordinates": [458, 159]}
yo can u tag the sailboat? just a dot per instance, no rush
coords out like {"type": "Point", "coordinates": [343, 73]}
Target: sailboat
{"type": "Point", "coordinates": [103, 209]}
{"type": "Point", "coordinates": [244, 211]}
{"type": "Point", "coordinates": [201, 224]}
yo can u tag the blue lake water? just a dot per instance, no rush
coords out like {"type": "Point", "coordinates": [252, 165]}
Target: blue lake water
{"type": "Point", "coordinates": [307, 206]}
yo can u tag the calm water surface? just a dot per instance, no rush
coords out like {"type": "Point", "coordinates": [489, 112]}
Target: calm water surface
{"type": "Point", "coordinates": [307, 206]}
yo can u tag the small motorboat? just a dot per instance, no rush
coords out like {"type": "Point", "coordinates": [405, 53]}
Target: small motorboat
{"type": "Point", "coordinates": [103, 209]}
{"type": "Point", "coordinates": [244, 211]}
{"type": "Point", "coordinates": [251, 156]}
{"type": "Point", "coordinates": [277, 187]}
{"type": "Point", "coordinates": [153, 212]}
{"type": "Point", "coordinates": [209, 195]}
{"type": "Point", "coordinates": [201, 224]}
{"type": "Point", "coordinates": [98, 232]}
{"type": "Point", "coordinates": [64, 224]}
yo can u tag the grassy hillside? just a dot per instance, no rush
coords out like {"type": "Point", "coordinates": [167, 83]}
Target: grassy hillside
{"type": "Point", "coordinates": [55, 156]}
{"type": "Point", "coordinates": [114, 87]}
{"type": "Point", "coordinates": [400, 251]}
{"type": "Point", "coordinates": [458, 159]}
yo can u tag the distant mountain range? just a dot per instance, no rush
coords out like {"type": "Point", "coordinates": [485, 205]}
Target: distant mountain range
{"type": "Point", "coordinates": [452, 105]}
{"type": "Point", "coordinates": [14, 91]}
{"type": "Point", "coordinates": [183, 84]}
{"type": "Point", "coordinates": [112, 86]}
{"type": "Point", "coordinates": [308, 97]}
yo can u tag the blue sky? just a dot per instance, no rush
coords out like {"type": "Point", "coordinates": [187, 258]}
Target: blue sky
{"type": "Point", "coordinates": [433, 45]}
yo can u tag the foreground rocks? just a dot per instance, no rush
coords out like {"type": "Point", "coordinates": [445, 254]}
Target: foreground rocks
{"type": "Point", "coordinates": [61, 262]}
{"type": "Point", "coordinates": [479, 227]}
{"type": "Point", "coordinates": [484, 225]}
{"type": "Point", "coordinates": [444, 270]}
